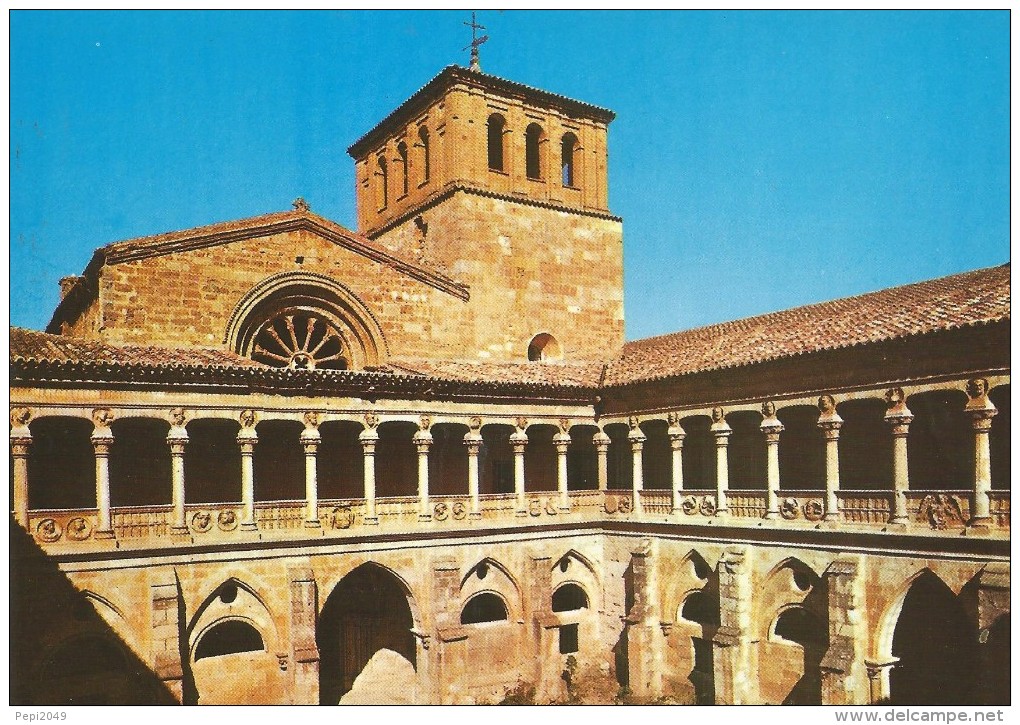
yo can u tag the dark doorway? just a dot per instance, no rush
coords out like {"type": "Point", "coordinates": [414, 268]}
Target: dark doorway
{"type": "Point", "coordinates": [367, 611]}
{"type": "Point", "coordinates": [936, 646]}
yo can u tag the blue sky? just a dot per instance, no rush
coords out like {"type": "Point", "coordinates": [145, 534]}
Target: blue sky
{"type": "Point", "coordinates": [760, 160]}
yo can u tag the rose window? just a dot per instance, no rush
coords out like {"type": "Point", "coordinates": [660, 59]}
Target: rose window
{"type": "Point", "coordinates": [301, 341]}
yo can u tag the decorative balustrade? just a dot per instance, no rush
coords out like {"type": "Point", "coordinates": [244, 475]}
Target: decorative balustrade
{"type": "Point", "coordinates": [939, 509]}
{"type": "Point", "coordinates": [50, 526]}
{"type": "Point", "coordinates": [221, 522]}
{"type": "Point", "coordinates": [656, 501]}
{"type": "Point", "coordinates": [999, 508]}
{"type": "Point", "coordinates": [698, 502]}
{"type": "Point", "coordinates": [747, 504]}
{"type": "Point", "coordinates": [140, 522]}
{"type": "Point", "coordinates": [279, 515]}
{"type": "Point", "coordinates": [802, 505]}
{"type": "Point", "coordinates": [865, 507]}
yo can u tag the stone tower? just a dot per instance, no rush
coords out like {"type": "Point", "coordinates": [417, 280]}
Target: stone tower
{"type": "Point", "coordinates": [504, 188]}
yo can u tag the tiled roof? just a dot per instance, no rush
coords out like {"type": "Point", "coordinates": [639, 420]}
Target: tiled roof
{"type": "Point", "coordinates": [961, 300]}
{"type": "Point", "coordinates": [534, 373]}
{"type": "Point", "coordinates": [32, 346]}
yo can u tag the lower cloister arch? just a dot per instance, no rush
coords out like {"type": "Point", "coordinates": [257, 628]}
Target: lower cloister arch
{"type": "Point", "coordinates": [368, 619]}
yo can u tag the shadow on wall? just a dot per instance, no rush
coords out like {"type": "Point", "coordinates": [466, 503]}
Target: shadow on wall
{"type": "Point", "coordinates": [63, 652]}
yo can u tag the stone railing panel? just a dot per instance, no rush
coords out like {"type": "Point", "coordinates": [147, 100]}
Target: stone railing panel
{"type": "Point", "coordinates": [337, 514]}
{"type": "Point", "coordinates": [747, 504]}
{"type": "Point", "coordinates": [938, 510]}
{"type": "Point", "coordinates": [802, 505]}
{"type": "Point", "coordinates": [865, 507]}
{"type": "Point", "coordinates": [140, 522]}
{"type": "Point", "coordinates": [64, 526]}
{"type": "Point", "coordinates": [656, 501]}
{"type": "Point", "coordinates": [279, 515]}
{"type": "Point", "coordinates": [999, 508]}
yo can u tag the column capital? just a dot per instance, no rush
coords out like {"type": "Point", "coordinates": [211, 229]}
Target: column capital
{"type": "Point", "coordinates": [19, 422]}
{"type": "Point", "coordinates": [422, 439]}
{"type": "Point", "coordinates": [311, 445]}
{"type": "Point", "coordinates": [518, 439]}
{"type": "Point", "coordinates": [561, 441]}
{"type": "Point", "coordinates": [720, 428]}
{"type": "Point", "coordinates": [473, 440]}
{"type": "Point", "coordinates": [828, 419]}
{"type": "Point", "coordinates": [601, 439]}
{"type": "Point", "coordinates": [771, 427]}
{"type": "Point", "coordinates": [101, 439]}
{"type": "Point", "coordinates": [980, 409]}
{"type": "Point", "coordinates": [897, 414]}
{"type": "Point", "coordinates": [675, 432]}
{"type": "Point", "coordinates": [20, 445]}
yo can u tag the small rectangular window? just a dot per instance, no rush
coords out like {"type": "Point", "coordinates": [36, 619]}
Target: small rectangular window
{"type": "Point", "coordinates": [568, 639]}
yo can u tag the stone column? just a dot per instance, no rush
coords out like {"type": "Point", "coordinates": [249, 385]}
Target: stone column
{"type": "Point", "coordinates": [771, 428]}
{"type": "Point", "coordinates": [898, 417]}
{"type": "Point", "coordinates": [878, 679]}
{"type": "Point", "coordinates": [676, 442]}
{"type": "Point", "coordinates": [310, 438]}
{"type": "Point", "coordinates": [450, 635]}
{"type": "Point", "coordinates": [993, 606]}
{"type": "Point", "coordinates": [304, 652]}
{"type": "Point", "coordinates": [601, 441]}
{"type": "Point", "coordinates": [422, 443]}
{"type": "Point", "coordinates": [102, 439]}
{"type": "Point", "coordinates": [981, 412]}
{"type": "Point", "coordinates": [722, 432]}
{"type": "Point", "coordinates": [843, 673]}
{"type": "Point", "coordinates": [247, 438]}
{"type": "Point", "coordinates": [519, 441]}
{"type": "Point", "coordinates": [830, 423]}
{"type": "Point", "coordinates": [177, 439]}
{"type": "Point", "coordinates": [21, 440]}
{"type": "Point", "coordinates": [473, 442]}
{"type": "Point", "coordinates": [369, 438]}
{"type": "Point", "coordinates": [733, 662]}
{"type": "Point", "coordinates": [637, 440]}
{"type": "Point", "coordinates": [166, 628]}
{"type": "Point", "coordinates": [562, 442]}
{"type": "Point", "coordinates": [641, 625]}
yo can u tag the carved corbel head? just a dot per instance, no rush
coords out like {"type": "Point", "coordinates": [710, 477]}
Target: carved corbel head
{"type": "Point", "coordinates": [247, 418]}
{"type": "Point", "coordinates": [311, 419]}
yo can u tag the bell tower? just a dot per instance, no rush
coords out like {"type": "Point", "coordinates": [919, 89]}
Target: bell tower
{"type": "Point", "coordinates": [503, 187]}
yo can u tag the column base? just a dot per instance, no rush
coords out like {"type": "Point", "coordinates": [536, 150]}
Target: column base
{"type": "Point", "coordinates": [980, 525]}
{"type": "Point", "coordinates": [564, 507]}
{"type": "Point", "coordinates": [313, 524]}
{"type": "Point", "coordinates": [520, 513]}
{"type": "Point", "coordinates": [371, 521]}
{"type": "Point", "coordinates": [899, 522]}
{"type": "Point", "coordinates": [249, 526]}
{"type": "Point", "coordinates": [771, 515]}
{"type": "Point", "coordinates": [474, 515]}
{"type": "Point", "coordinates": [830, 516]}
{"type": "Point", "coordinates": [179, 531]}
{"type": "Point", "coordinates": [424, 517]}
{"type": "Point", "coordinates": [104, 534]}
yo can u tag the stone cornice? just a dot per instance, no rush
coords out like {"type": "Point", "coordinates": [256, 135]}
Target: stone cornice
{"type": "Point", "coordinates": [453, 75]}
{"type": "Point", "coordinates": [455, 187]}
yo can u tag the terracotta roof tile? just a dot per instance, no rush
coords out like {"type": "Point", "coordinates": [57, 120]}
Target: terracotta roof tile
{"type": "Point", "coordinates": [961, 300]}
{"type": "Point", "coordinates": [32, 346]}
{"type": "Point", "coordinates": [540, 373]}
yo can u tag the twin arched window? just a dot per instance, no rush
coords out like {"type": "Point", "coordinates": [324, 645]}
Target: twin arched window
{"type": "Point", "coordinates": [402, 168]}
{"type": "Point", "coordinates": [534, 151]}
{"type": "Point", "coordinates": [568, 148]}
{"type": "Point", "coordinates": [496, 128]}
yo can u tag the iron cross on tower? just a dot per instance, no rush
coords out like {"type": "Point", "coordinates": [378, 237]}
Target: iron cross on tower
{"type": "Point", "coordinates": [476, 41]}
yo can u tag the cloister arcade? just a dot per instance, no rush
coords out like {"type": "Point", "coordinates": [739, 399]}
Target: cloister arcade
{"type": "Point", "coordinates": [862, 460]}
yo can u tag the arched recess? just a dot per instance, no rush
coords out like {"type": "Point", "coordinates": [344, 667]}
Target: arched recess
{"type": "Point", "coordinates": [746, 455]}
{"type": "Point", "coordinates": [540, 470]}
{"type": "Point", "coordinates": [936, 646]}
{"type": "Point", "coordinates": [279, 461]}
{"type": "Point", "coordinates": [656, 455]}
{"type": "Point", "coordinates": [396, 459]}
{"type": "Point", "coordinates": [940, 446]}
{"type": "Point", "coordinates": [212, 461]}
{"type": "Point", "coordinates": [366, 618]}
{"type": "Point", "coordinates": [305, 320]}
{"type": "Point", "coordinates": [865, 445]}
{"type": "Point", "coordinates": [793, 606]}
{"type": "Point", "coordinates": [496, 460]}
{"type": "Point", "coordinates": [495, 131]}
{"type": "Point", "coordinates": [232, 641]}
{"type": "Point", "coordinates": [691, 601]}
{"type": "Point", "coordinates": [582, 459]}
{"type": "Point", "coordinates": [341, 461]}
{"type": "Point", "coordinates": [801, 449]}
{"type": "Point", "coordinates": [534, 151]}
{"type": "Point", "coordinates": [491, 575]}
{"type": "Point", "coordinates": [483, 608]}
{"type": "Point", "coordinates": [61, 464]}
{"type": "Point", "coordinates": [574, 567]}
{"type": "Point", "coordinates": [140, 462]}
{"type": "Point", "coordinates": [619, 457]}
{"type": "Point", "coordinates": [699, 456]}
{"type": "Point", "coordinates": [448, 459]}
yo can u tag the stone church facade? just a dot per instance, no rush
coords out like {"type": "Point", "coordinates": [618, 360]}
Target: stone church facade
{"type": "Point", "coordinates": [279, 461]}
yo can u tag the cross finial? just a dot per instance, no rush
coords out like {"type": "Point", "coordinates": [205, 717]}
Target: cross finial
{"type": "Point", "coordinates": [476, 41]}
